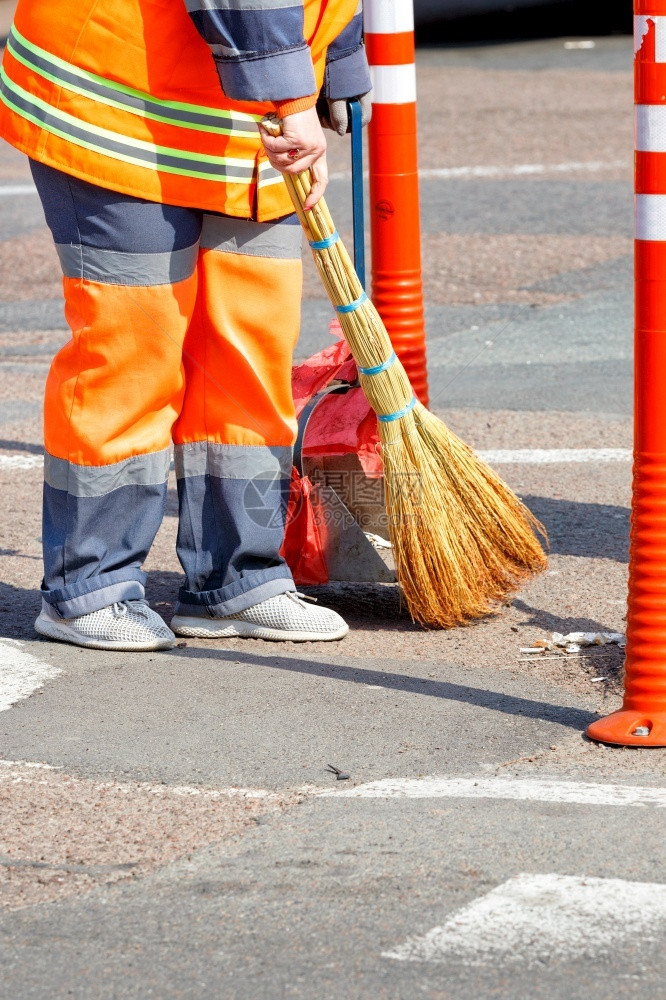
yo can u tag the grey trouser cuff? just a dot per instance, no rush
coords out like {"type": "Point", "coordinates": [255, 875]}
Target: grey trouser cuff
{"type": "Point", "coordinates": [231, 606]}
{"type": "Point", "coordinates": [94, 600]}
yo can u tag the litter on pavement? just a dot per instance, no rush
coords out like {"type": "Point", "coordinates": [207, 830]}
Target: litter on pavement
{"type": "Point", "coordinates": [573, 642]}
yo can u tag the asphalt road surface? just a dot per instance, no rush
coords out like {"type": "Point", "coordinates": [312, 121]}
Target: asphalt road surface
{"type": "Point", "coordinates": [168, 824]}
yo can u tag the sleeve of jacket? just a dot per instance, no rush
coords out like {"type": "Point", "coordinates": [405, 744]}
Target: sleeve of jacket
{"type": "Point", "coordinates": [259, 50]}
{"type": "Point", "coordinates": [347, 73]}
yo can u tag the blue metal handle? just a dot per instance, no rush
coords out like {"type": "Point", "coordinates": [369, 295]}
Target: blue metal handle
{"type": "Point", "coordinates": [355, 117]}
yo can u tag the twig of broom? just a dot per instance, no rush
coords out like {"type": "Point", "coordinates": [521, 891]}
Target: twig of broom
{"type": "Point", "coordinates": [462, 540]}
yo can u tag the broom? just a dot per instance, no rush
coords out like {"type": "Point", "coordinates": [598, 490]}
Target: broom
{"type": "Point", "coordinates": [462, 540]}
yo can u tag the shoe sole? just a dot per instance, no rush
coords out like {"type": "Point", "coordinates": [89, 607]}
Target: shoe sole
{"type": "Point", "coordinates": [63, 633]}
{"type": "Point", "coordinates": [224, 628]}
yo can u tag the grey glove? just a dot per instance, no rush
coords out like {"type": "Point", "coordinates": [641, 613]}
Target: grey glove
{"type": "Point", "coordinates": [334, 114]}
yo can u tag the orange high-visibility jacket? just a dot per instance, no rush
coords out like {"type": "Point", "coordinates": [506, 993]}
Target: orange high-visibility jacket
{"type": "Point", "coordinates": [125, 94]}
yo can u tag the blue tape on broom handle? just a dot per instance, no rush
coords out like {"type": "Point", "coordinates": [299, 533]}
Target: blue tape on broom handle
{"type": "Point", "coordinates": [387, 417]}
{"type": "Point", "coordinates": [351, 306]}
{"type": "Point", "coordinates": [325, 243]}
{"type": "Point", "coordinates": [379, 368]}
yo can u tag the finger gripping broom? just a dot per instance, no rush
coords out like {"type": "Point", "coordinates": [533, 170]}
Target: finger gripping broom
{"type": "Point", "coordinates": [461, 538]}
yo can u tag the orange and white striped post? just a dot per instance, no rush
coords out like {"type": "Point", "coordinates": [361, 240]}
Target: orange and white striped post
{"type": "Point", "coordinates": [397, 288]}
{"type": "Point", "coordinates": [642, 719]}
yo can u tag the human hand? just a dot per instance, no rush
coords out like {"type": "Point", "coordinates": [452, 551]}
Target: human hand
{"type": "Point", "coordinates": [301, 145]}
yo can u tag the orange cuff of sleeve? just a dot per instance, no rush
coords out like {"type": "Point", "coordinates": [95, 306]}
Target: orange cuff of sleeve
{"type": "Point", "coordinates": [293, 107]}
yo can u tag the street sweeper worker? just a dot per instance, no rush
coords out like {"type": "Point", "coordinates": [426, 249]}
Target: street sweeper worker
{"type": "Point", "coordinates": [182, 278]}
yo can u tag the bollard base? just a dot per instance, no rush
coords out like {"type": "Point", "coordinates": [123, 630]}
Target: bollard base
{"type": "Point", "coordinates": [630, 728]}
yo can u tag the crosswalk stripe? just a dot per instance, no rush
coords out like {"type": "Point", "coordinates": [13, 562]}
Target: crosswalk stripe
{"type": "Point", "coordinates": [517, 789]}
{"type": "Point", "coordinates": [532, 920]}
{"type": "Point", "coordinates": [21, 673]}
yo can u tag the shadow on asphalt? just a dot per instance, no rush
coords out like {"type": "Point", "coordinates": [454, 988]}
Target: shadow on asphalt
{"type": "Point", "coordinates": [507, 704]}
{"type": "Point", "coordinates": [19, 608]}
{"type": "Point", "coordinates": [555, 623]}
{"type": "Point", "coordinates": [32, 449]}
{"type": "Point", "coordinates": [588, 530]}
{"type": "Point", "coordinates": [591, 530]}
{"type": "Point", "coordinates": [607, 660]}
{"type": "Point", "coordinates": [20, 626]}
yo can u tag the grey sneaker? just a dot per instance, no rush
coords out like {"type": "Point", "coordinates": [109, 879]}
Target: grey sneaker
{"type": "Point", "coordinates": [285, 617]}
{"type": "Point", "coordinates": [125, 625]}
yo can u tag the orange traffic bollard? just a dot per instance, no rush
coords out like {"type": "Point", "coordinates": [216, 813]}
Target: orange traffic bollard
{"type": "Point", "coordinates": [642, 719]}
{"type": "Point", "coordinates": [397, 289]}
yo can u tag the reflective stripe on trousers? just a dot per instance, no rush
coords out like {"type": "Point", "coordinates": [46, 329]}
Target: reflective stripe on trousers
{"type": "Point", "coordinates": [183, 328]}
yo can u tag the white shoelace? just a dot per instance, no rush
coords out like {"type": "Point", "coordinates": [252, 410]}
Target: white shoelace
{"type": "Point", "coordinates": [297, 598]}
{"type": "Point", "coordinates": [120, 608]}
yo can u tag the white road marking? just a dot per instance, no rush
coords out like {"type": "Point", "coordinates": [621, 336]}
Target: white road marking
{"type": "Point", "coordinates": [23, 461]}
{"type": "Point", "coordinates": [522, 169]}
{"type": "Point", "coordinates": [10, 773]}
{"type": "Point", "coordinates": [38, 765]}
{"type": "Point", "coordinates": [7, 190]}
{"type": "Point", "coordinates": [440, 173]}
{"type": "Point", "coordinates": [510, 456]}
{"type": "Point", "coordinates": [535, 920]}
{"type": "Point", "coordinates": [526, 790]}
{"type": "Point", "coordinates": [192, 791]}
{"type": "Point", "coordinates": [507, 170]}
{"type": "Point", "coordinates": [515, 789]}
{"type": "Point", "coordinates": [21, 674]}
{"type": "Point", "coordinates": [550, 456]}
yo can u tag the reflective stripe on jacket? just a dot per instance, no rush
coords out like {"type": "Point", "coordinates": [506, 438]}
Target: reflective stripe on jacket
{"type": "Point", "coordinates": [125, 93]}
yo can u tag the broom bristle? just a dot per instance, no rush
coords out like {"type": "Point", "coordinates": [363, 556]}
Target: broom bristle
{"type": "Point", "coordinates": [462, 539]}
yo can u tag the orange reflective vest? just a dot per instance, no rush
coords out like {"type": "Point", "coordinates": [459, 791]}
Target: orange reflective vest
{"type": "Point", "coordinates": [125, 94]}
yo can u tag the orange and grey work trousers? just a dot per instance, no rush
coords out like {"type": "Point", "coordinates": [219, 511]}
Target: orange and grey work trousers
{"type": "Point", "coordinates": [183, 328]}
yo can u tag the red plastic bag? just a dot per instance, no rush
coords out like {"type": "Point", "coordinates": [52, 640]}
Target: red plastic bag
{"type": "Point", "coordinates": [302, 546]}
{"type": "Point", "coordinates": [346, 424]}
{"type": "Point", "coordinates": [315, 373]}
